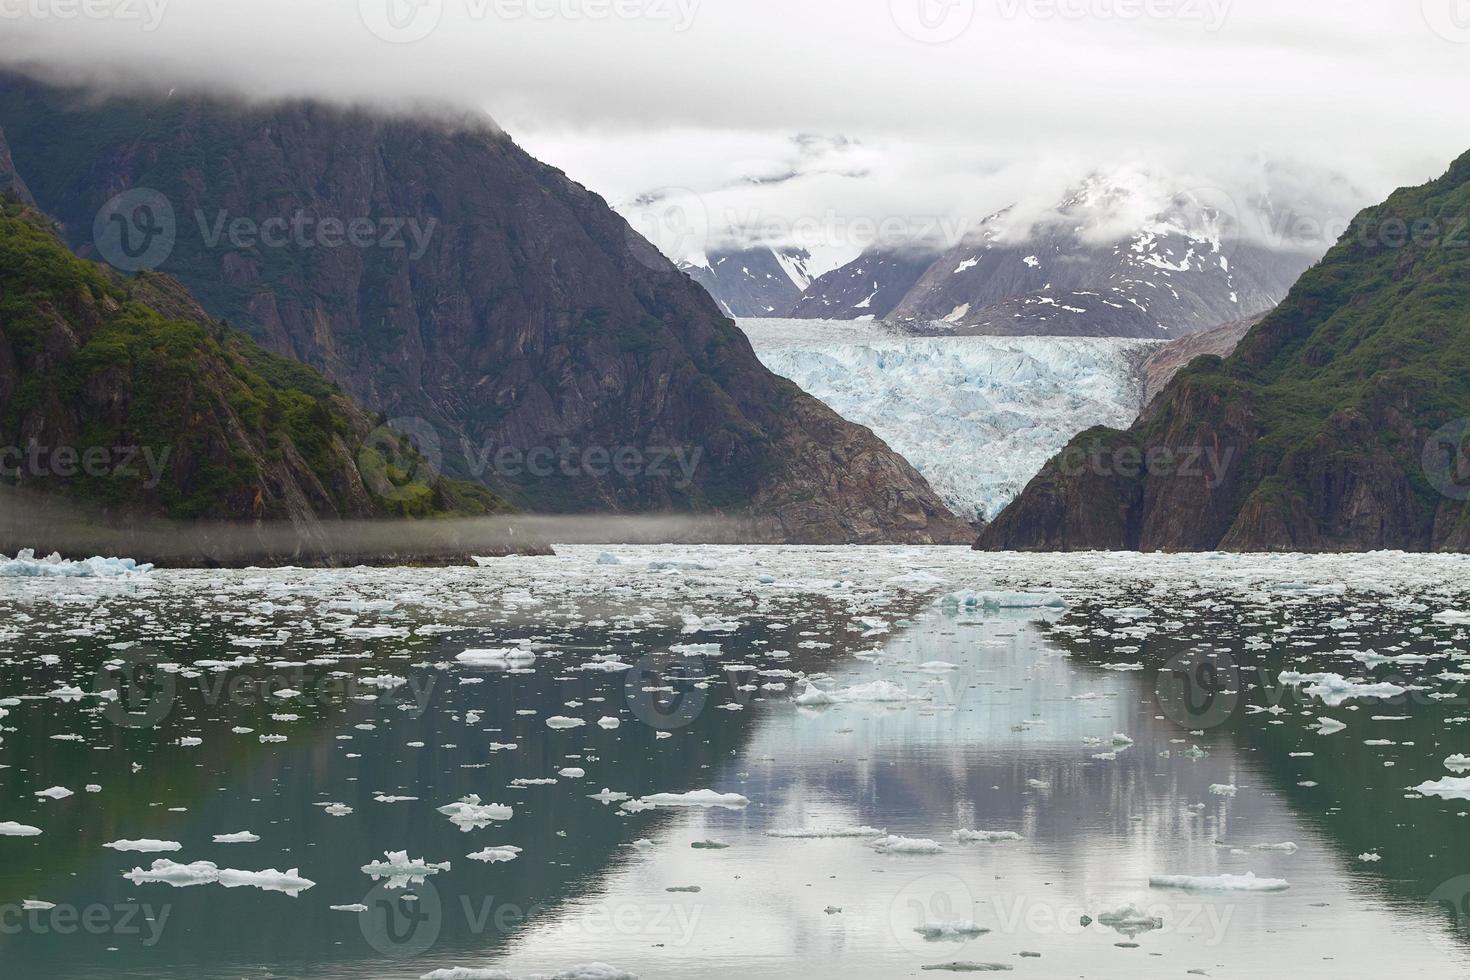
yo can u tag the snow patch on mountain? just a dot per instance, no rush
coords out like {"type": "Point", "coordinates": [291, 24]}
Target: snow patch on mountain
{"type": "Point", "coordinates": [977, 416]}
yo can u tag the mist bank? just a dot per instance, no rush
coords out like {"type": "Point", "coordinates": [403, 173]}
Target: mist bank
{"type": "Point", "coordinates": [75, 531]}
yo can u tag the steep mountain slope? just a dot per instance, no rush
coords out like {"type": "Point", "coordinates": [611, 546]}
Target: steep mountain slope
{"type": "Point", "coordinates": [550, 351]}
{"type": "Point", "coordinates": [124, 395]}
{"type": "Point", "coordinates": [1176, 355]}
{"type": "Point", "coordinates": [978, 416]}
{"type": "Point", "coordinates": [1339, 423]}
{"type": "Point", "coordinates": [867, 288]}
{"type": "Point", "coordinates": [1106, 261]}
{"type": "Point", "coordinates": [756, 281]}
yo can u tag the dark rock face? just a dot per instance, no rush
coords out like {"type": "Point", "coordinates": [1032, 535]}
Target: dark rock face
{"type": "Point", "coordinates": [1174, 356]}
{"type": "Point", "coordinates": [10, 180]}
{"type": "Point", "coordinates": [551, 353]}
{"type": "Point", "coordinates": [753, 282]}
{"type": "Point", "coordinates": [1341, 423]}
{"type": "Point", "coordinates": [869, 286]}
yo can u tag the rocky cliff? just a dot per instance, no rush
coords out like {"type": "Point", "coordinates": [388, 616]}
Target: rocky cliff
{"type": "Point", "coordinates": [123, 397]}
{"type": "Point", "coordinates": [1340, 423]}
{"type": "Point", "coordinates": [541, 346]}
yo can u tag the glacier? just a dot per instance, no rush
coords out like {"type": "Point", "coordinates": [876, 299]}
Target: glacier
{"type": "Point", "coordinates": [977, 416]}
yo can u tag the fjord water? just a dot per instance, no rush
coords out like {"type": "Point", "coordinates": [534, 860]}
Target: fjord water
{"type": "Point", "coordinates": [1033, 721]}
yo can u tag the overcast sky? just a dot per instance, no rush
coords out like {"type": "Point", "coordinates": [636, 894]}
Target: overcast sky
{"type": "Point", "coordinates": [784, 112]}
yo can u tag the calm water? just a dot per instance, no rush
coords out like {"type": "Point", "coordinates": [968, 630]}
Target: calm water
{"type": "Point", "coordinates": [1011, 721]}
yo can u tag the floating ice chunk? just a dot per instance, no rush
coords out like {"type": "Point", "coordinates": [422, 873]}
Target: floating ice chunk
{"type": "Point", "coordinates": [471, 814]}
{"type": "Point", "coordinates": [699, 798]}
{"type": "Point", "coordinates": [270, 880]}
{"type": "Point", "coordinates": [985, 836]}
{"type": "Point", "coordinates": [1370, 857]}
{"type": "Point", "coordinates": [1457, 763]}
{"type": "Point", "coordinates": [496, 855]}
{"type": "Point", "coordinates": [243, 837]}
{"type": "Point", "coordinates": [467, 973]}
{"type": "Point", "coordinates": [821, 833]}
{"type": "Point", "coordinates": [1286, 847]}
{"type": "Point", "coordinates": [26, 565]}
{"type": "Point", "coordinates": [1130, 920]}
{"type": "Point", "coordinates": [55, 793]}
{"type": "Point", "coordinates": [561, 721]}
{"type": "Point", "coordinates": [970, 600]}
{"type": "Point", "coordinates": [1329, 726]}
{"type": "Point", "coordinates": [608, 796]}
{"type": "Point", "coordinates": [32, 905]}
{"type": "Point", "coordinates": [956, 931]}
{"type": "Point", "coordinates": [401, 871]}
{"type": "Point", "coordinates": [1247, 882]}
{"type": "Point", "coordinates": [145, 846]}
{"type": "Point", "coordinates": [967, 966]}
{"type": "Point", "coordinates": [498, 657]}
{"type": "Point", "coordinates": [874, 692]}
{"type": "Point", "coordinates": [1448, 788]}
{"type": "Point", "coordinates": [348, 908]}
{"type": "Point", "coordinates": [893, 844]}
{"type": "Point", "coordinates": [1334, 689]}
{"type": "Point", "coordinates": [166, 872]}
{"type": "Point", "coordinates": [608, 722]}
{"type": "Point", "coordinates": [571, 772]}
{"type": "Point", "coordinates": [9, 828]}
{"type": "Point", "coordinates": [336, 809]}
{"type": "Point", "coordinates": [1223, 789]}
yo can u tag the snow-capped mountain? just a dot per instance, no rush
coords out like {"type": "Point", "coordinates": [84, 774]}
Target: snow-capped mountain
{"type": "Point", "coordinates": [867, 288]}
{"type": "Point", "coordinates": [977, 416]}
{"type": "Point", "coordinates": [757, 281]}
{"type": "Point", "coordinates": [1118, 257]}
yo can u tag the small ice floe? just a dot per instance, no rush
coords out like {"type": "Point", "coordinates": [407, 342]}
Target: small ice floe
{"type": "Point", "coordinates": [189, 742]}
{"type": "Point", "coordinates": [1223, 789]}
{"type": "Point", "coordinates": [401, 871]}
{"type": "Point", "coordinates": [608, 796]}
{"type": "Point", "coordinates": [985, 836]}
{"type": "Point", "coordinates": [9, 828]}
{"type": "Point", "coordinates": [1247, 882]}
{"type": "Point", "coordinates": [496, 855]}
{"type": "Point", "coordinates": [243, 837]}
{"type": "Point", "coordinates": [270, 880]}
{"type": "Point", "coordinates": [335, 809]}
{"type": "Point", "coordinates": [608, 722]}
{"type": "Point", "coordinates": [1448, 788]}
{"type": "Point", "coordinates": [967, 966]}
{"type": "Point", "coordinates": [699, 798]}
{"type": "Point", "coordinates": [1038, 784]}
{"type": "Point", "coordinates": [1370, 857]}
{"type": "Point", "coordinates": [571, 772]}
{"type": "Point", "coordinates": [1130, 920]}
{"type": "Point", "coordinates": [893, 844]}
{"type": "Point", "coordinates": [348, 908]}
{"type": "Point", "coordinates": [1329, 726]}
{"type": "Point", "coordinates": [54, 793]}
{"type": "Point", "coordinates": [33, 905]}
{"type": "Point", "coordinates": [710, 845]}
{"type": "Point", "coordinates": [584, 971]}
{"type": "Point", "coordinates": [957, 931]}
{"type": "Point", "coordinates": [823, 833]}
{"type": "Point", "coordinates": [1457, 763]}
{"type": "Point", "coordinates": [971, 600]}
{"type": "Point", "coordinates": [1334, 689]}
{"type": "Point", "coordinates": [874, 692]}
{"type": "Point", "coordinates": [386, 798]}
{"type": "Point", "coordinates": [498, 657]}
{"type": "Point", "coordinates": [470, 813]}
{"type": "Point", "coordinates": [561, 721]}
{"type": "Point", "coordinates": [145, 846]}
{"type": "Point", "coordinates": [168, 872]}
{"type": "Point", "coordinates": [27, 565]}
{"type": "Point", "coordinates": [1285, 847]}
